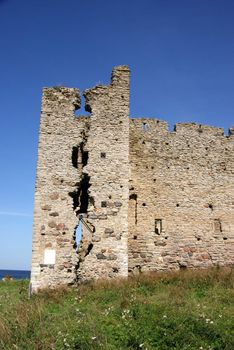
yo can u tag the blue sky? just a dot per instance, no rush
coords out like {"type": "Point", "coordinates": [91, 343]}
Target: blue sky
{"type": "Point", "coordinates": [181, 54]}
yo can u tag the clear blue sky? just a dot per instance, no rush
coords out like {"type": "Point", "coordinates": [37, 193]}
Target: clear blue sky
{"type": "Point", "coordinates": [181, 54]}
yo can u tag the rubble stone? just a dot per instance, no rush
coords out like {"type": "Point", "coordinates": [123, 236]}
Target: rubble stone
{"type": "Point", "coordinates": [148, 199]}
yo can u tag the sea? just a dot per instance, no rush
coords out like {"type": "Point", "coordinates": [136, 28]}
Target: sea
{"type": "Point", "coordinates": [16, 274]}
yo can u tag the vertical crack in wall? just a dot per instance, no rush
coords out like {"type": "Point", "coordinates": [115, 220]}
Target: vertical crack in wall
{"type": "Point", "coordinates": [80, 195]}
{"type": "Point", "coordinates": [83, 193]}
{"type": "Point", "coordinates": [75, 156]}
{"type": "Point", "coordinates": [86, 244]}
{"type": "Point", "coordinates": [81, 202]}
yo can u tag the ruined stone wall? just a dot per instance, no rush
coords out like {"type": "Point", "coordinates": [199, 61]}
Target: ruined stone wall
{"type": "Point", "coordinates": [108, 169]}
{"type": "Point", "coordinates": [80, 180]}
{"type": "Point", "coordinates": [181, 207]}
{"type": "Point", "coordinates": [54, 254]}
{"type": "Point", "coordinates": [147, 199]}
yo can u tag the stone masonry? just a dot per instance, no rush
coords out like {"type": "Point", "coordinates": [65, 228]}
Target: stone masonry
{"type": "Point", "coordinates": [147, 199]}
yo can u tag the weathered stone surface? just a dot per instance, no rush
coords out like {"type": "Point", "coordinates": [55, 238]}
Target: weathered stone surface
{"type": "Point", "coordinates": [101, 256]}
{"type": "Point", "coordinates": [52, 224]}
{"type": "Point", "coordinates": [102, 217]}
{"type": "Point", "coordinates": [183, 201]}
{"type": "Point", "coordinates": [148, 199]}
{"type": "Point", "coordinates": [54, 196]}
{"type": "Point", "coordinates": [118, 204]}
{"type": "Point", "coordinates": [61, 227]}
{"type": "Point", "coordinates": [46, 207]}
{"type": "Point", "coordinates": [112, 257]}
{"type": "Point", "coordinates": [55, 213]}
{"type": "Point", "coordinates": [108, 230]}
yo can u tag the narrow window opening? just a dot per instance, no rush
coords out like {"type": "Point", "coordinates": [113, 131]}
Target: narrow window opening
{"type": "Point", "coordinates": [200, 130]}
{"type": "Point", "coordinates": [133, 197]}
{"type": "Point", "coordinates": [145, 126]}
{"type": "Point", "coordinates": [217, 225]}
{"type": "Point", "coordinates": [83, 111]}
{"type": "Point", "coordinates": [158, 226]}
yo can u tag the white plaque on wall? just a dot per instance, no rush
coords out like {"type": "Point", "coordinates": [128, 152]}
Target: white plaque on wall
{"type": "Point", "coordinates": [49, 256]}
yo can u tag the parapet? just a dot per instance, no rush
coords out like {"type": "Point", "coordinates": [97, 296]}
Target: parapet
{"type": "Point", "coordinates": [198, 128]}
{"type": "Point", "coordinates": [149, 125]}
{"type": "Point", "coordinates": [59, 97]}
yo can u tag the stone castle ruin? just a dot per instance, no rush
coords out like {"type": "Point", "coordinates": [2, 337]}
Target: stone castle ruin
{"type": "Point", "coordinates": [147, 199]}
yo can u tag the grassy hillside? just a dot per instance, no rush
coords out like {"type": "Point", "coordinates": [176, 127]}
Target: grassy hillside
{"type": "Point", "coordinates": [185, 310]}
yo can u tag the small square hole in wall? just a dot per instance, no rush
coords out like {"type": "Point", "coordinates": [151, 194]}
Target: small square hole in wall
{"type": "Point", "coordinates": [104, 204]}
{"type": "Point", "coordinates": [103, 155]}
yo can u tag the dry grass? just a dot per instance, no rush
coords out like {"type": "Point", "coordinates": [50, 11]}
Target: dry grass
{"type": "Point", "coordinates": [176, 310]}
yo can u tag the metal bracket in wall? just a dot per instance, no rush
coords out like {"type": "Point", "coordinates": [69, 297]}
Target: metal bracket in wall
{"type": "Point", "coordinates": [81, 219]}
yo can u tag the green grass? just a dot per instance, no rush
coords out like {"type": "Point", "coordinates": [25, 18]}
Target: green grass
{"type": "Point", "coordinates": [184, 310]}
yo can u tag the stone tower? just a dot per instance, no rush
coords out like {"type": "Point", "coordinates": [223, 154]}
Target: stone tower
{"type": "Point", "coordinates": [144, 197]}
{"type": "Point", "coordinates": [82, 177]}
